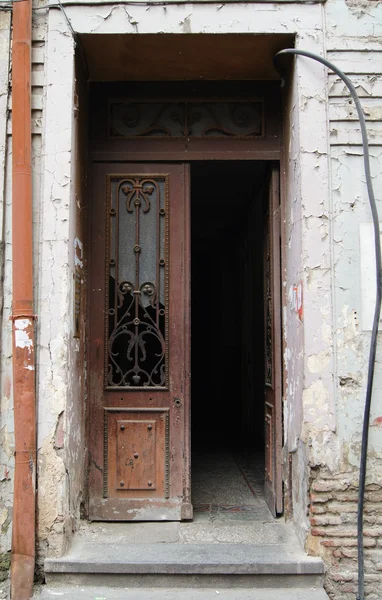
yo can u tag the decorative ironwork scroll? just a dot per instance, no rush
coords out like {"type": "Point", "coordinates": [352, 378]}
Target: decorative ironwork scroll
{"type": "Point", "coordinates": [137, 282]}
{"type": "Point", "coordinates": [186, 119]}
{"type": "Point", "coordinates": [224, 119]}
{"type": "Point", "coordinates": [150, 119]}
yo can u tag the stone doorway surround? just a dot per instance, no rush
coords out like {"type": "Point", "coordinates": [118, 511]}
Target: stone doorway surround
{"type": "Point", "coordinates": [61, 425]}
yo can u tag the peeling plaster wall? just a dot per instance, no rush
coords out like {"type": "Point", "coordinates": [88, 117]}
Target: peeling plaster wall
{"type": "Point", "coordinates": [6, 415]}
{"type": "Point", "coordinates": [74, 438]}
{"type": "Point", "coordinates": [61, 438]}
{"type": "Point", "coordinates": [6, 412]}
{"type": "Point", "coordinates": [353, 43]}
{"type": "Point", "coordinates": [293, 325]}
{"type": "Point", "coordinates": [6, 409]}
{"type": "Point", "coordinates": [57, 352]}
{"type": "Point", "coordinates": [356, 49]}
{"type": "Point", "coordinates": [307, 262]}
{"type": "Point", "coordinates": [6, 425]}
{"type": "Point", "coordinates": [326, 341]}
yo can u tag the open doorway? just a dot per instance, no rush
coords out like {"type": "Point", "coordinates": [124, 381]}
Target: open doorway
{"type": "Point", "coordinates": [228, 212]}
{"type": "Point", "coordinates": [139, 366]}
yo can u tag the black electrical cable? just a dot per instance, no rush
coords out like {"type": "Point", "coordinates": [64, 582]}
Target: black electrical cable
{"type": "Point", "coordinates": [377, 309]}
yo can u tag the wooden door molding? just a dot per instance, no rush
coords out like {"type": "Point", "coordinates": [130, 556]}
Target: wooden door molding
{"type": "Point", "coordinates": [273, 347]}
{"type": "Point", "coordinates": [139, 414]}
{"type": "Point", "coordinates": [155, 143]}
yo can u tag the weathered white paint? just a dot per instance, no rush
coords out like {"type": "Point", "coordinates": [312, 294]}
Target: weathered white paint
{"type": "Point", "coordinates": [325, 202]}
{"type": "Point", "coordinates": [201, 18]}
{"type": "Point", "coordinates": [368, 274]}
{"type": "Point", "coordinates": [354, 44]}
{"type": "Point", "coordinates": [5, 29]}
{"type": "Point", "coordinates": [307, 198]}
{"type": "Point", "coordinates": [78, 256]}
{"type": "Point", "coordinates": [22, 337]}
{"type": "Point", "coordinates": [55, 283]}
{"type": "Point", "coordinates": [6, 404]}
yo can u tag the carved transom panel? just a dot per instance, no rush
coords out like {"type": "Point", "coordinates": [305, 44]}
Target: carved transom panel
{"type": "Point", "coordinates": [186, 119]}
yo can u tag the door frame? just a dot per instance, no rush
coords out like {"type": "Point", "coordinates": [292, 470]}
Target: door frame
{"type": "Point", "coordinates": [271, 150]}
{"type": "Point", "coordinates": [273, 343]}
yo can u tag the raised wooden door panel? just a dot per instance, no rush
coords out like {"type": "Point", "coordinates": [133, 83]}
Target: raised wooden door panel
{"type": "Point", "coordinates": [273, 358]}
{"type": "Point", "coordinates": [137, 453]}
{"type": "Point", "coordinates": [139, 343]}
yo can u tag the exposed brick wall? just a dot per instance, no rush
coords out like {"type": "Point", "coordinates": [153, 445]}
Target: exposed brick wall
{"type": "Point", "coordinates": [333, 536]}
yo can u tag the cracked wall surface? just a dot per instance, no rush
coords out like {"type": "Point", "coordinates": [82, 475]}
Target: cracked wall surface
{"type": "Point", "coordinates": [59, 356]}
{"type": "Point", "coordinates": [6, 424]}
{"type": "Point", "coordinates": [6, 412]}
{"type": "Point", "coordinates": [61, 437]}
{"type": "Point", "coordinates": [308, 27]}
{"type": "Point", "coordinates": [353, 43]}
{"type": "Point", "coordinates": [326, 293]}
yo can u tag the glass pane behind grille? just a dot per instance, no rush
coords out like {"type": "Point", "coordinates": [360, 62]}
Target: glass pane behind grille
{"type": "Point", "coordinates": [137, 273]}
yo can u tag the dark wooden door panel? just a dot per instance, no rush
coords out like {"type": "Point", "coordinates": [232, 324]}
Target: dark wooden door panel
{"type": "Point", "coordinates": [138, 343]}
{"type": "Point", "coordinates": [137, 453]}
{"type": "Point", "coordinates": [273, 332]}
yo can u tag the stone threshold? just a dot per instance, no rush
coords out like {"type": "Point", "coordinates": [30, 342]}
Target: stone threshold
{"type": "Point", "coordinates": [105, 593]}
{"type": "Point", "coordinates": [175, 558]}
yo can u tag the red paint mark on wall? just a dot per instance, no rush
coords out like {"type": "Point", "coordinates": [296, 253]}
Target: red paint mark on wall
{"type": "Point", "coordinates": [377, 422]}
{"type": "Point", "coordinates": [298, 301]}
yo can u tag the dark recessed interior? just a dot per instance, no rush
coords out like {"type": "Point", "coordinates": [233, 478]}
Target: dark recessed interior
{"type": "Point", "coordinates": [145, 57]}
{"type": "Point", "coordinates": [227, 366]}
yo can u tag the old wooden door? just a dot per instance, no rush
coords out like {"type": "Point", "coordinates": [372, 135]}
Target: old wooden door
{"type": "Point", "coordinates": [139, 343]}
{"type": "Point", "coordinates": [273, 333]}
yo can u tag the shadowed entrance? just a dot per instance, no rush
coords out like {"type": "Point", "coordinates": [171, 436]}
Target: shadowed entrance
{"type": "Point", "coordinates": [227, 337]}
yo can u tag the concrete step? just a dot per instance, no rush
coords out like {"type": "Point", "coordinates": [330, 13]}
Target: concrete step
{"type": "Point", "coordinates": [103, 593]}
{"type": "Point", "coordinates": [185, 565]}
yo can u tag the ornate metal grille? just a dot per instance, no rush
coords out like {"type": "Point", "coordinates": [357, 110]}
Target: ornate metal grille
{"type": "Point", "coordinates": [137, 282]}
{"type": "Point", "coordinates": [186, 119]}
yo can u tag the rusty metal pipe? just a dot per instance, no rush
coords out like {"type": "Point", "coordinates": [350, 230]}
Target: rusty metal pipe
{"type": "Point", "coordinates": [24, 519]}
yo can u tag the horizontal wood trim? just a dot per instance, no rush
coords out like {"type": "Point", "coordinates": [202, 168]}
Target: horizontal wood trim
{"type": "Point", "coordinates": [357, 62]}
{"type": "Point", "coordinates": [352, 43]}
{"type": "Point", "coordinates": [38, 56]}
{"type": "Point", "coordinates": [185, 157]}
{"type": "Point", "coordinates": [38, 78]}
{"type": "Point", "coordinates": [340, 110]}
{"type": "Point", "coordinates": [367, 86]}
{"type": "Point", "coordinates": [349, 133]}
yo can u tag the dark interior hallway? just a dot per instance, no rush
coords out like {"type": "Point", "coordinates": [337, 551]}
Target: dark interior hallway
{"type": "Point", "coordinates": [227, 333]}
